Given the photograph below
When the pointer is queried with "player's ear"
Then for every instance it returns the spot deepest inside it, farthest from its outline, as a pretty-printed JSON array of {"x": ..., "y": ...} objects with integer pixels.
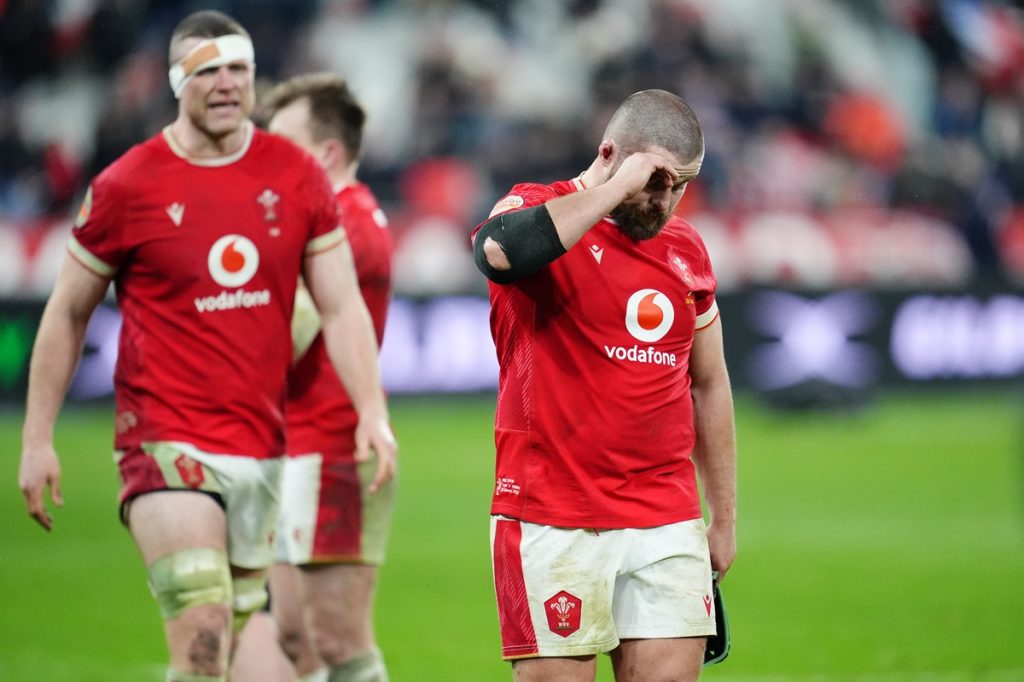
[
  {"x": 334, "y": 154},
  {"x": 608, "y": 155}
]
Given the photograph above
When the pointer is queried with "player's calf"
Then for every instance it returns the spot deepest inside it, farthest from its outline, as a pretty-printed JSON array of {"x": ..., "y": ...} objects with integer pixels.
[{"x": 365, "y": 666}]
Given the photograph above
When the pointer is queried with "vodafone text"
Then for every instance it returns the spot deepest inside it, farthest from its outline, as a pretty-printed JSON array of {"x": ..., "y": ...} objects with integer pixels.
[
  {"x": 636, "y": 354},
  {"x": 234, "y": 299}
]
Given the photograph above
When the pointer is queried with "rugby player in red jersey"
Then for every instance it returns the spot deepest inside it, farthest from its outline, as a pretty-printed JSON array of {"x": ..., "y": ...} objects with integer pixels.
[
  {"x": 204, "y": 230},
  {"x": 335, "y": 519},
  {"x": 613, "y": 398}
]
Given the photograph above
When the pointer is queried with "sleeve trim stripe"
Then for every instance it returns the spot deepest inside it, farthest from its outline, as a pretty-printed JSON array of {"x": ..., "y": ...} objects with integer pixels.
[
  {"x": 86, "y": 258},
  {"x": 705, "y": 319},
  {"x": 325, "y": 242}
]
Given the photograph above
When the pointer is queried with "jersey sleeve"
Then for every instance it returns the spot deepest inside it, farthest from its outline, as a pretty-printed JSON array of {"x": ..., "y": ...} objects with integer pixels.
[
  {"x": 367, "y": 241},
  {"x": 325, "y": 228},
  {"x": 98, "y": 237},
  {"x": 706, "y": 286},
  {"x": 524, "y": 195}
]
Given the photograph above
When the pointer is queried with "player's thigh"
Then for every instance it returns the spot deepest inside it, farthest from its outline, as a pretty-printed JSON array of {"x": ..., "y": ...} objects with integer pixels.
[
  {"x": 167, "y": 521},
  {"x": 658, "y": 660},
  {"x": 340, "y": 598},
  {"x": 570, "y": 669},
  {"x": 554, "y": 589},
  {"x": 665, "y": 589},
  {"x": 327, "y": 513},
  {"x": 246, "y": 491}
]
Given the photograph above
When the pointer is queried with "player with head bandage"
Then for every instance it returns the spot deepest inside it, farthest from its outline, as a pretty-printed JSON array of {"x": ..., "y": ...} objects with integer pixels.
[
  {"x": 208, "y": 54},
  {"x": 204, "y": 229}
]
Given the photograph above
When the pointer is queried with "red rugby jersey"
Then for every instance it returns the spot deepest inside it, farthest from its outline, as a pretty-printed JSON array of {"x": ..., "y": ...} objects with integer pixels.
[
  {"x": 320, "y": 416},
  {"x": 205, "y": 256},
  {"x": 594, "y": 422}
]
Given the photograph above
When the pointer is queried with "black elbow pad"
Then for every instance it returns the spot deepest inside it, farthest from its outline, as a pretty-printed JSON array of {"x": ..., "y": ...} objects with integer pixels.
[{"x": 528, "y": 238}]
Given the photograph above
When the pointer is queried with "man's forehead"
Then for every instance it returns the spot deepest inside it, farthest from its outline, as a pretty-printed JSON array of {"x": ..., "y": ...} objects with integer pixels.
[
  {"x": 691, "y": 168},
  {"x": 684, "y": 168},
  {"x": 182, "y": 46}
]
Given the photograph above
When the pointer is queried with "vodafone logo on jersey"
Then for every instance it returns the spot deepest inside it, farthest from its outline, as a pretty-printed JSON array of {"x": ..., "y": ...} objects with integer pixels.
[
  {"x": 649, "y": 316},
  {"x": 233, "y": 261}
]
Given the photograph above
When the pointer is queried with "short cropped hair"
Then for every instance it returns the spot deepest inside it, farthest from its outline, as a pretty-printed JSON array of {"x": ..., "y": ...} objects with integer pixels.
[
  {"x": 656, "y": 118},
  {"x": 204, "y": 24},
  {"x": 334, "y": 112}
]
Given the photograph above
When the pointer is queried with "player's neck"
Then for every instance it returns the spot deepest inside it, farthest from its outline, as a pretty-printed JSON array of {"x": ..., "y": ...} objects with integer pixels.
[
  {"x": 342, "y": 177},
  {"x": 197, "y": 144}
]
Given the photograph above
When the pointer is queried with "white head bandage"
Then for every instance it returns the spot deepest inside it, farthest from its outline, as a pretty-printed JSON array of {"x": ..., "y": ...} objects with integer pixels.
[{"x": 210, "y": 52}]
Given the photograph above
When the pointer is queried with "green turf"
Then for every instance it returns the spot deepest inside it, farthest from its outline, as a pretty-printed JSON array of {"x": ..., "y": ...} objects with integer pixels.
[{"x": 885, "y": 545}]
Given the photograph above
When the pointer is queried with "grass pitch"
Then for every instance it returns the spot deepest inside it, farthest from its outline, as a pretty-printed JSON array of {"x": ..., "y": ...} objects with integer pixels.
[{"x": 883, "y": 545}]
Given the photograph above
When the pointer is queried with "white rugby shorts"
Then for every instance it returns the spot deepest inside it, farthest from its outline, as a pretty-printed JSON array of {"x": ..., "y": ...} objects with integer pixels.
[
  {"x": 247, "y": 486},
  {"x": 577, "y": 592},
  {"x": 327, "y": 515}
]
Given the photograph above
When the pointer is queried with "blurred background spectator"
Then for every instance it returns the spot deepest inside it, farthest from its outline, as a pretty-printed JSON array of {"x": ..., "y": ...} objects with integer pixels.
[{"x": 849, "y": 142}]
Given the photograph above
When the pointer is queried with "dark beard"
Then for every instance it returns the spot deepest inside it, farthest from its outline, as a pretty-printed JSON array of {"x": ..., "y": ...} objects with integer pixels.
[{"x": 639, "y": 222}]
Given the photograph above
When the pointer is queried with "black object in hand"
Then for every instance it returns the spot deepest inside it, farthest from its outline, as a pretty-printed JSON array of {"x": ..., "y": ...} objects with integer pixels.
[{"x": 717, "y": 648}]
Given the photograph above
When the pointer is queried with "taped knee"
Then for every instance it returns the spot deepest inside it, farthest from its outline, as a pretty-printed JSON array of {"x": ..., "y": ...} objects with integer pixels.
[
  {"x": 366, "y": 666},
  {"x": 191, "y": 577},
  {"x": 250, "y": 595}
]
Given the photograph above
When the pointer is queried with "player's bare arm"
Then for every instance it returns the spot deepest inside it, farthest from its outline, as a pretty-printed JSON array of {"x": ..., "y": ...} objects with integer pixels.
[
  {"x": 352, "y": 347},
  {"x": 715, "y": 452},
  {"x": 58, "y": 345},
  {"x": 507, "y": 237}
]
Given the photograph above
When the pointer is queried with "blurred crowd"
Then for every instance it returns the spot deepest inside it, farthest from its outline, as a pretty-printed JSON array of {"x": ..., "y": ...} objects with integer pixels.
[{"x": 849, "y": 142}]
